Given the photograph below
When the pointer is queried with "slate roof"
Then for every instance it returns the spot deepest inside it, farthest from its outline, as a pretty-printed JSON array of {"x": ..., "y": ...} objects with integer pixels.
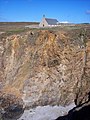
[{"x": 51, "y": 21}]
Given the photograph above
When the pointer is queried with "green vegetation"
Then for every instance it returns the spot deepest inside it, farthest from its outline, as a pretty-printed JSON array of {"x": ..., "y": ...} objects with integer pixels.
[
  {"x": 61, "y": 28},
  {"x": 16, "y": 31}
]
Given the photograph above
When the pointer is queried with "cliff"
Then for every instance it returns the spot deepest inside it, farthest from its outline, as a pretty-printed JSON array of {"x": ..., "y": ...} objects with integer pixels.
[{"x": 44, "y": 67}]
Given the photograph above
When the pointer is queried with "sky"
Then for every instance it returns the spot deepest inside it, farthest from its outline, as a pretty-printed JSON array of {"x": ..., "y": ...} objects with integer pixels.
[{"x": 73, "y": 11}]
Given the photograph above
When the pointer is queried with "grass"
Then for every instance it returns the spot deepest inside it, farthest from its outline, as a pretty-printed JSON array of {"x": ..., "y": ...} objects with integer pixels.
[
  {"x": 16, "y": 30},
  {"x": 20, "y": 29}
]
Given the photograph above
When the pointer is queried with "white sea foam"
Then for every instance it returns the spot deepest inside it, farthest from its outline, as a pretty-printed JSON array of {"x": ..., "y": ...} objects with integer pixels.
[{"x": 46, "y": 112}]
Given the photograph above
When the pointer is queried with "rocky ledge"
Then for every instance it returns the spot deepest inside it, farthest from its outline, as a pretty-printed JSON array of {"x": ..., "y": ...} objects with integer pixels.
[
  {"x": 80, "y": 112},
  {"x": 11, "y": 108}
]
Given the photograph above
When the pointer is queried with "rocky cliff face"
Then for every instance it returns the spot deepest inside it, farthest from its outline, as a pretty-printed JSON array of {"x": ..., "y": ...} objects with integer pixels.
[{"x": 46, "y": 67}]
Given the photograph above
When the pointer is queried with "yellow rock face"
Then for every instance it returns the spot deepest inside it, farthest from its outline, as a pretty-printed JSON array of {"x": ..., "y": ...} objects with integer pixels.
[{"x": 45, "y": 67}]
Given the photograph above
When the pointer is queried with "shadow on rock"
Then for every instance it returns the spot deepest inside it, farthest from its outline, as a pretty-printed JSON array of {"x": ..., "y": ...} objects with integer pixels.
[
  {"x": 13, "y": 112},
  {"x": 78, "y": 113},
  {"x": 11, "y": 108}
]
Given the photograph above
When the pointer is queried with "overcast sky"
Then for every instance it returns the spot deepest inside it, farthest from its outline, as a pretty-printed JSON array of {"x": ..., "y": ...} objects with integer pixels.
[{"x": 75, "y": 11}]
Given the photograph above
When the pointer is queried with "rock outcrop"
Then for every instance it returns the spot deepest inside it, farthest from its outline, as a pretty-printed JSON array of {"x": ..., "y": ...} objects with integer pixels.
[
  {"x": 80, "y": 112},
  {"x": 11, "y": 107},
  {"x": 46, "y": 67}
]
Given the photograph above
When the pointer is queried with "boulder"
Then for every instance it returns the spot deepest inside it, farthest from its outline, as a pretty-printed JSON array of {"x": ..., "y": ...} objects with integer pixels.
[{"x": 11, "y": 107}]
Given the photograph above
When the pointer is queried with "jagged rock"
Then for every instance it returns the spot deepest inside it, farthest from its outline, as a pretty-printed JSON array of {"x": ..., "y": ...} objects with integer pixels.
[
  {"x": 46, "y": 67},
  {"x": 80, "y": 112},
  {"x": 13, "y": 112},
  {"x": 11, "y": 107}
]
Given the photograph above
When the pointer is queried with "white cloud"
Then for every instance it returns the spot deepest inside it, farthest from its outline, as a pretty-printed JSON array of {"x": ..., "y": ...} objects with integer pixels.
[
  {"x": 64, "y": 22},
  {"x": 88, "y": 11}
]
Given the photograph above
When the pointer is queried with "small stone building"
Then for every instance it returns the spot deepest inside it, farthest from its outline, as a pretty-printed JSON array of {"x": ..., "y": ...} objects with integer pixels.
[{"x": 45, "y": 22}]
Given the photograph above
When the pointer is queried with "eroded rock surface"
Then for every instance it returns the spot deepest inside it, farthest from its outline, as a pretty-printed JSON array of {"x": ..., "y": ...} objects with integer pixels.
[
  {"x": 46, "y": 67},
  {"x": 11, "y": 107}
]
